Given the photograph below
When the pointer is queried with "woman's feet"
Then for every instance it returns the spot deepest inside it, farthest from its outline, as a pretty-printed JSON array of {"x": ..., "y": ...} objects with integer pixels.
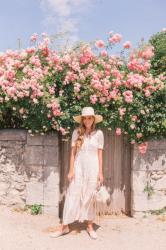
[
  {"x": 91, "y": 232},
  {"x": 64, "y": 229},
  {"x": 61, "y": 231}
]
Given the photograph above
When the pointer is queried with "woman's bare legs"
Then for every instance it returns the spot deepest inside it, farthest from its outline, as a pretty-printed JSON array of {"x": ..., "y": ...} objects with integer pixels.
[
  {"x": 61, "y": 230},
  {"x": 90, "y": 230},
  {"x": 63, "y": 227},
  {"x": 90, "y": 225}
]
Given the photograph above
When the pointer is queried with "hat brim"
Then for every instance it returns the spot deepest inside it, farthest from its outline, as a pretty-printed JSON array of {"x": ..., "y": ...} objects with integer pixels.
[{"x": 98, "y": 118}]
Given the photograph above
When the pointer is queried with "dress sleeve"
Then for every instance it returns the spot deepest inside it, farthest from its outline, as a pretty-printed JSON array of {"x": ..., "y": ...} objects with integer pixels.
[
  {"x": 74, "y": 137},
  {"x": 100, "y": 139}
]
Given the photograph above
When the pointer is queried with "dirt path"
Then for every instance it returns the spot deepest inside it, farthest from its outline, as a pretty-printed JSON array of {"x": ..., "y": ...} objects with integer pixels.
[{"x": 22, "y": 231}]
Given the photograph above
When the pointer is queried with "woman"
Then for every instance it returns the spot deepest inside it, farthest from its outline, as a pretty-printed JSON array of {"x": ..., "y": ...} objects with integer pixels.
[{"x": 85, "y": 172}]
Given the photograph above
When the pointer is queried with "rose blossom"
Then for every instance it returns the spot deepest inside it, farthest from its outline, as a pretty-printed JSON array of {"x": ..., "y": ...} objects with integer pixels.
[
  {"x": 104, "y": 53},
  {"x": 122, "y": 111},
  {"x": 93, "y": 99},
  {"x": 34, "y": 37},
  {"x": 128, "y": 95},
  {"x": 127, "y": 45},
  {"x": 134, "y": 118},
  {"x": 118, "y": 131},
  {"x": 100, "y": 44},
  {"x": 116, "y": 38},
  {"x": 139, "y": 135},
  {"x": 132, "y": 126},
  {"x": 143, "y": 147}
]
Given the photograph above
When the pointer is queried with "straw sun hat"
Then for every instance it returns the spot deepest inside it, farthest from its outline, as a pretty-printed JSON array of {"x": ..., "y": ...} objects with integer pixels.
[{"x": 88, "y": 111}]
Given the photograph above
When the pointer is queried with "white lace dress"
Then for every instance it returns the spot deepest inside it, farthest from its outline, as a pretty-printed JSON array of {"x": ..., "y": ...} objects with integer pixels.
[{"x": 79, "y": 203}]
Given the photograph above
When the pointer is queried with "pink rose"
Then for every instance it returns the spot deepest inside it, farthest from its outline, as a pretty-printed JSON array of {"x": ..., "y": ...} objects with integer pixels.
[
  {"x": 102, "y": 99},
  {"x": 34, "y": 37},
  {"x": 63, "y": 131},
  {"x": 139, "y": 135},
  {"x": 93, "y": 99},
  {"x": 21, "y": 110},
  {"x": 127, "y": 45},
  {"x": 104, "y": 53},
  {"x": 118, "y": 131},
  {"x": 116, "y": 38},
  {"x": 77, "y": 87},
  {"x": 78, "y": 97},
  {"x": 143, "y": 147},
  {"x": 100, "y": 44},
  {"x": 147, "y": 93},
  {"x": 134, "y": 118},
  {"x": 122, "y": 111},
  {"x": 132, "y": 142},
  {"x": 128, "y": 95},
  {"x": 132, "y": 126}
]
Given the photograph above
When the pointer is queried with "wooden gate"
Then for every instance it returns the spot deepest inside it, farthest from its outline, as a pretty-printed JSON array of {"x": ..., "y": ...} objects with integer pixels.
[{"x": 117, "y": 172}]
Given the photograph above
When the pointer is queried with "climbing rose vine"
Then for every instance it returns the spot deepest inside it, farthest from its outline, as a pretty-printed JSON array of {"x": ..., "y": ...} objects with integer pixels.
[{"x": 41, "y": 88}]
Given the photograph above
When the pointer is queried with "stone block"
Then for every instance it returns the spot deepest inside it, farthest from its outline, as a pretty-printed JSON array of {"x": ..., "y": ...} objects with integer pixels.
[
  {"x": 51, "y": 210},
  {"x": 139, "y": 214},
  {"x": 33, "y": 155},
  {"x": 51, "y": 156},
  {"x": 34, "y": 172},
  {"x": 51, "y": 176},
  {"x": 51, "y": 186},
  {"x": 13, "y": 135},
  {"x": 12, "y": 199},
  {"x": 36, "y": 139},
  {"x": 138, "y": 181},
  {"x": 34, "y": 193},
  {"x": 140, "y": 202},
  {"x": 157, "y": 145},
  {"x": 159, "y": 181},
  {"x": 51, "y": 139},
  {"x": 152, "y": 160},
  {"x": 139, "y": 198}
]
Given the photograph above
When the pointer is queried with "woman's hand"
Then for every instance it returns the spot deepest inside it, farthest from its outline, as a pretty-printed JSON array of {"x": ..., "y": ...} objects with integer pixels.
[
  {"x": 100, "y": 178},
  {"x": 70, "y": 175}
]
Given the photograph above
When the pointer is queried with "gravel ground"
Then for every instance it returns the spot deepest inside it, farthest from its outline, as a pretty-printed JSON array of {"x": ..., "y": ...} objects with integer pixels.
[{"x": 22, "y": 231}]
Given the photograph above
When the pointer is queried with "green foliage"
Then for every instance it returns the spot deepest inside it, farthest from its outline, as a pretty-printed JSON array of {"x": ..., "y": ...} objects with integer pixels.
[
  {"x": 41, "y": 90},
  {"x": 36, "y": 209},
  {"x": 149, "y": 190},
  {"x": 158, "y": 41},
  {"x": 158, "y": 211}
]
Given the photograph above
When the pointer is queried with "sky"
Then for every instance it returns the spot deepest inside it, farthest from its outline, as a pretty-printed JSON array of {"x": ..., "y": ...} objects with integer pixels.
[{"x": 81, "y": 20}]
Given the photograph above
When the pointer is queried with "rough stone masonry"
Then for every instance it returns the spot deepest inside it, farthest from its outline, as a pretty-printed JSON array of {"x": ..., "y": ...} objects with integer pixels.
[
  {"x": 29, "y": 172},
  {"x": 148, "y": 179}
]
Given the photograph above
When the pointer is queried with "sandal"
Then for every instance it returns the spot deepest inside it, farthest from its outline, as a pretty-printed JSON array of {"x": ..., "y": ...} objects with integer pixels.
[
  {"x": 59, "y": 233},
  {"x": 92, "y": 234}
]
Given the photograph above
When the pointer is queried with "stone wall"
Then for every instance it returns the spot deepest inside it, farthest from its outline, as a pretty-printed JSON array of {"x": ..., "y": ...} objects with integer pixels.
[
  {"x": 148, "y": 179},
  {"x": 30, "y": 172},
  {"x": 29, "y": 169}
]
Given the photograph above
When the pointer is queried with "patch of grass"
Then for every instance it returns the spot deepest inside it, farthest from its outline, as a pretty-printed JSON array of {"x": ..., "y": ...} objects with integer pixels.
[
  {"x": 158, "y": 211},
  {"x": 149, "y": 189},
  {"x": 34, "y": 209}
]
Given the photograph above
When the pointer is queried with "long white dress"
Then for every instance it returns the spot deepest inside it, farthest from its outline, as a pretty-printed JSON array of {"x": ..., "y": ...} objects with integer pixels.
[{"x": 79, "y": 203}]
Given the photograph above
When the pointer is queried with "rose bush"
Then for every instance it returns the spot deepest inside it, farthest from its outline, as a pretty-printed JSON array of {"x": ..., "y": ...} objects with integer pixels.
[{"x": 41, "y": 89}]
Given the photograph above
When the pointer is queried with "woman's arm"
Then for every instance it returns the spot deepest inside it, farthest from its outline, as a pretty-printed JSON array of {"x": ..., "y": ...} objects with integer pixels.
[
  {"x": 72, "y": 158},
  {"x": 100, "y": 157},
  {"x": 72, "y": 154},
  {"x": 71, "y": 169}
]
